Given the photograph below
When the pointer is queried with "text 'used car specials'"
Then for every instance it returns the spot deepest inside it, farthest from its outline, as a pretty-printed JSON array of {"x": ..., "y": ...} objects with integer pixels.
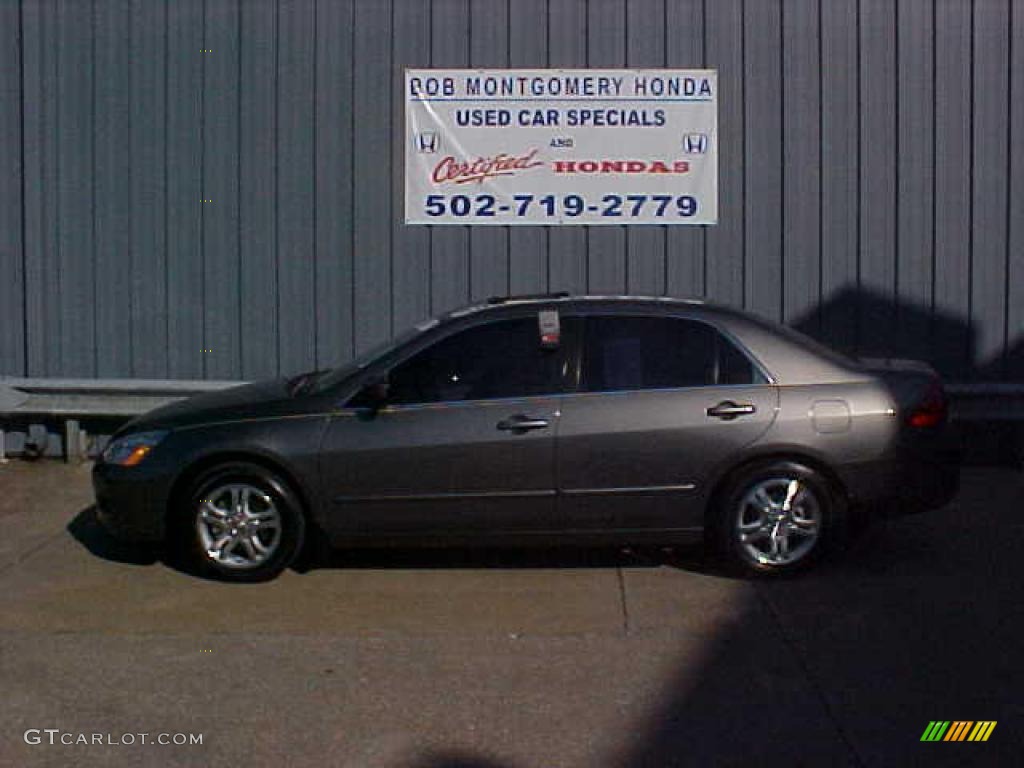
[{"x": 561, "y": 147}]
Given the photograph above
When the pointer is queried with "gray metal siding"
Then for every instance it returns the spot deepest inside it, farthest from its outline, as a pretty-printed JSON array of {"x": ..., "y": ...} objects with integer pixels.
[
  {"x": 915, "y": 173},
  {"x": 257, "y": 149},
  {"x": 801, "y": 178},
  {"x": 952, "y": 183},
  {"x": 185, "y": 212},
  {"x": 871, "y": 177},
  {"x": 12, "y": 277},
  {"x": 1014, "y": 359},
  {"x": 333, "y": 164}
]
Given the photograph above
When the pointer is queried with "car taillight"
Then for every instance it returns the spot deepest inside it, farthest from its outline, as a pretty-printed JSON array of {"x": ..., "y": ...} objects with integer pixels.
[{"x": 932, "y": 410}]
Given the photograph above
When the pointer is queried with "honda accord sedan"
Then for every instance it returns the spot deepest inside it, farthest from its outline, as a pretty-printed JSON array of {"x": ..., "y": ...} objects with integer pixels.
[{"x": 541, "y": 419}]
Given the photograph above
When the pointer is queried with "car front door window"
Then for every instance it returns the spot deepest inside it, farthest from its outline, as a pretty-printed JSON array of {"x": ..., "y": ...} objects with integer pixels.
[{"x": 502, "y": 359}]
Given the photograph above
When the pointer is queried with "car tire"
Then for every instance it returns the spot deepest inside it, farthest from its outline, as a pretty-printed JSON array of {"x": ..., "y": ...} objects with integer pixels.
[
  {"x": 239, "y": 522},
  {"x": 776, "y": 518}
]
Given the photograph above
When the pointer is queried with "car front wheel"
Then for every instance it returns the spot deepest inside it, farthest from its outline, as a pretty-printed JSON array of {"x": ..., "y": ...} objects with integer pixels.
[
  {"x": 242, "y": 523},
  {"x": 776, "y": 518}
]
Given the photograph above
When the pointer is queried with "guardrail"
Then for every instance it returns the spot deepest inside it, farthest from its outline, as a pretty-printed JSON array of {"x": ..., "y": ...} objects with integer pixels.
[
  {"x": 990, "y": 418},
  {"x": 987, "y": 401},
  {"x": 34, "y": 403}
]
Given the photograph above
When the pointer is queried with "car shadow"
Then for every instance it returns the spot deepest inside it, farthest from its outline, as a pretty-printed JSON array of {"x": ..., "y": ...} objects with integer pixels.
[
  {"x": 445, "y": 760},
  {"x": 87, "y": 530},
  {"x": 469, "y": 558},
  {"x": 874, "y": 547}
]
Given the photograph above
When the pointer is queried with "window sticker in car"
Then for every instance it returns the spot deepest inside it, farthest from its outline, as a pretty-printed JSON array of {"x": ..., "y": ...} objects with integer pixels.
[{"x": 550, "y": 331}]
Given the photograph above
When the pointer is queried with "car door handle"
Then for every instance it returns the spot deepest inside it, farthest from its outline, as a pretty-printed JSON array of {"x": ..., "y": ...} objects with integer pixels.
[
  {"x": 522, "y": 423},
  {"x": 727, "y": 410}
]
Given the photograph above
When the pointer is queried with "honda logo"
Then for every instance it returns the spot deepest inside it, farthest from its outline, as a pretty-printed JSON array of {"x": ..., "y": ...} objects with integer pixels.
[
  {"x": 695, "y": 143},
  {"x": 427, "y": 142}
]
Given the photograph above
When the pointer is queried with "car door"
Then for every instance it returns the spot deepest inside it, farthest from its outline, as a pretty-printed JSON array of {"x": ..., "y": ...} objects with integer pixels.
[
  {"x": 464, "y": 445},
  {"x": 661, "y": 401}
]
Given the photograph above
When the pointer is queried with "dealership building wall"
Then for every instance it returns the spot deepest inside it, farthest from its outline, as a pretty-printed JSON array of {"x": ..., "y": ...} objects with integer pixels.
[{"x": 213, "y": 189}]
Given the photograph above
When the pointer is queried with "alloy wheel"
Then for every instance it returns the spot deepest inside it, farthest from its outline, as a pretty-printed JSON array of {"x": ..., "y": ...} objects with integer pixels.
[
  {"x": 239, "y": 526},
  {"x": 778, "y": 521}
]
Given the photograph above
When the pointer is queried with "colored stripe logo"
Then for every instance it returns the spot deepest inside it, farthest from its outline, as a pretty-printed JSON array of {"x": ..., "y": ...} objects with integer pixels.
[{"x": 958, "y": 730}]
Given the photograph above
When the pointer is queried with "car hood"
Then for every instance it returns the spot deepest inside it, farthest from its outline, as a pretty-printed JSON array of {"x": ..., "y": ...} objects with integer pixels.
[{"x": 263, "y": 398}]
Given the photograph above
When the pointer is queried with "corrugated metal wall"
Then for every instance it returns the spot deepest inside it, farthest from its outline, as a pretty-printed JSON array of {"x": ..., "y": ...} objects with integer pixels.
[{"x": 871, "y": 181}]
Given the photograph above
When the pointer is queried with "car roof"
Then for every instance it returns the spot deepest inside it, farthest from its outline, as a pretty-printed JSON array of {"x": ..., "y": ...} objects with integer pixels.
[
  {"x": 616, "y": 303},
  {"x": 496, "y": 303}
]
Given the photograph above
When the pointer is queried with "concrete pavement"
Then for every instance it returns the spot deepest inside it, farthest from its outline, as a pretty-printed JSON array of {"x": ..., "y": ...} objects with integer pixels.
[{"x": 507, "y": 659}]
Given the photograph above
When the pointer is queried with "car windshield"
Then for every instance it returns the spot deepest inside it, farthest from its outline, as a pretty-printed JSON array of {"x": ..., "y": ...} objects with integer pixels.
[{"x": 337, "y": 375}]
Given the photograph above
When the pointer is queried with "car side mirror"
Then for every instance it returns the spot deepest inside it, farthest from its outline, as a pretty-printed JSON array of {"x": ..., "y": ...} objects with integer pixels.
[
  {"x": 371, "y": 398},
  {"x": 378, "y": 391}
]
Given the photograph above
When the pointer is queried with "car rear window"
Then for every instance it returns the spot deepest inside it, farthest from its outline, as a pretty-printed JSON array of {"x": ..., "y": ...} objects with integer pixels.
[{"x": 632, "y": 353}]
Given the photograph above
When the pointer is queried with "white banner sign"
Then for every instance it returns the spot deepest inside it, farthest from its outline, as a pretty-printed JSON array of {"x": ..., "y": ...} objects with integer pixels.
[{"x": 561, "y": 146}]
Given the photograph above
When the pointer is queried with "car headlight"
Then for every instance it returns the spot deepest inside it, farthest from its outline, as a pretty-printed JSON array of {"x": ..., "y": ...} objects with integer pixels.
[{"x": 131, "y": 449}]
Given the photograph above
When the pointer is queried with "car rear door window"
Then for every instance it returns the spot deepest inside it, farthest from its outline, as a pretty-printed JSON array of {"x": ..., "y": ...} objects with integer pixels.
[
  {"x": 634, "y": 353},
  {"x": 498, "y": 360}
]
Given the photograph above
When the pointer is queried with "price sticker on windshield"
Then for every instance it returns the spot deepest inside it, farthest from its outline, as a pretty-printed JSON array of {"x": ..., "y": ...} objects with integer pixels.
[{"x": 550, "y": 331}]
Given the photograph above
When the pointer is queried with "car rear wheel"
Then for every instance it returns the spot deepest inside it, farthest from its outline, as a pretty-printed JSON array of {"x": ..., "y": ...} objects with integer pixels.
[
  {"x": 776, "y": 518},
  {"x": 241, "y": 523}
]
